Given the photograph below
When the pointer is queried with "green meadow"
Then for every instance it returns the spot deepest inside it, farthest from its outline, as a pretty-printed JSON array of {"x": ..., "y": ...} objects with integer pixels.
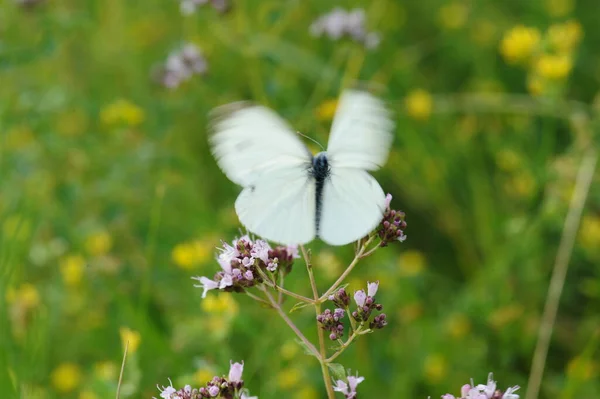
[{"x": 110, "y": 200}]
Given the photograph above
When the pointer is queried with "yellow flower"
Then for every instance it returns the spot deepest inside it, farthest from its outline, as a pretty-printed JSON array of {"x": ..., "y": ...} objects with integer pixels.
[
  {"x": 99, "y": 243},
  {"x": 565, "y": 37},
  {"x": 453, "y": 15},
  {"x": 329, "y": 263},
  {"x": 326, "y": 110},
  {"x": 535, "y": 84},
  {"x": 582, "y": 368},
  {"x": 508, "y": 160},
  {"x": 72, "y": 268},
  {"x": 131, "y": 336},
  {"x": 106, "y": 370},
  {"x": 88, "y": 395},
  {"x": 189, "y": 254},
  {"x": 435, "y": 367},
  {"x": 519, "y": 43},
  {"x": 551, "y": 66},
  {"x": 289, "y": 350},
  {"x": 559, "y": 8},
  {"x": 26, "y": 296},
  {"x": 458, "y": 326},
  {"x": 505, "y": 315},
  {"x": 66, "y": 377},
  {"x": 222, "y": 303},
  {"x": 18, "y": 138},
  {"x": 521, "y": 185},
  {"x": 419, "y": 104},
  {"x": 203, "y": 375},
  {"x": 307, "y": 393},
  {"x": 122, "y": 112},
  {"x": 589, "y": 233},
  {"x": 288, "y": 378},
  {"x": 411, "y": 263}
]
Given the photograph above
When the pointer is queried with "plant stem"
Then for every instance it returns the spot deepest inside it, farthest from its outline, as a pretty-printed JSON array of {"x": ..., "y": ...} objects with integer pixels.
[
  {"x": 282, "y": 290},
  {"x": 258, "y": 299},
  {"x": 290, "y": 323},
  {"x": 343, "y": 347},
  {"x": 340, "y": 280},
  {"x": 559, "y": 273},
  {"x": 317, "y": 304}
]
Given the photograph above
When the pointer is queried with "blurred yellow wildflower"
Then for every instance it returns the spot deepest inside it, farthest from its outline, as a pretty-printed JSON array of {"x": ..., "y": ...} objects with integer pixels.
[
  {"x": 131, "y": 336},
  {"x": 288, "y": 378},
  {"x": 88, "y": 395},
  {"x": 519, "y": 43},
  {"x": 221, "y": 303},
  {"x": 419, "y": 104},
  {"x": 122, "y": 112},
  {"x": 66, "y": 377},
  {"x": 289, "y": 350},
  {"x": 505, "y": 315},
  {"x": 203, "y": 375},
  {"x": 98, "y": 243},
  {"x": 453, "y": 15},
  {"x": 411, "y": 263},
  {"x": 458, "y": 325},
  {"x": 566, "y": 36},
  {"x": 589, "y": 233},
  {"x": 435, "y": 367},
  {"x": 552, "y": 66},
  {"x": 16, "y": 227},
  {"x": 18, "y": 137},
  {"x": 535, "y": 84},
  {"x": 559, "y": 8},
  {"x": 411, "y": 312},
  {"x": 508, "y": 160},
  {"x": 106, "y": 370},
  {"x": 72, "y": 268},
  {"x": 26, "y": 296},
  {"x": 189, "y": 254},
  {"x": 521, "y": 185},
  {"x": 328, "y": 263},
  {"x": 582, "y": 369},
  {"x": 326, "y": 110},
  {"x": 307, "y": 393}
]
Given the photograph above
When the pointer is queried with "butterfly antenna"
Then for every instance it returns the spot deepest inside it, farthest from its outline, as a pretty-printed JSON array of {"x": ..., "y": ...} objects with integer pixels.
[{"x": 313, "y": 140}]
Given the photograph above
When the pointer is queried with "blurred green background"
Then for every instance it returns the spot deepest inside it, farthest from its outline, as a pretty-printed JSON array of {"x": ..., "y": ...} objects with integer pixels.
[{"x": 110, "y": 200}]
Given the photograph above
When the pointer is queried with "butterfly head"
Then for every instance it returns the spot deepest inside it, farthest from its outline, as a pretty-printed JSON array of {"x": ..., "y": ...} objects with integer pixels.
[{"x": 320, "y": 166}]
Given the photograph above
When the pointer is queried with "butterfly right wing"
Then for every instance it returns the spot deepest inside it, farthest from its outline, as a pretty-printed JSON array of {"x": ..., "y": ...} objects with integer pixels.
[{"x": 257, "y": 149}]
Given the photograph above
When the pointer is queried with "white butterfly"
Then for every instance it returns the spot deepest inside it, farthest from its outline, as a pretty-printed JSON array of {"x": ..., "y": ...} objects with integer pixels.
[{"x": 290, "y": 196}]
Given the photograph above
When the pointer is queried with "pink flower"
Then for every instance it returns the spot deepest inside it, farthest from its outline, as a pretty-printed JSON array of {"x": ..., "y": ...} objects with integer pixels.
[
  {"x": 372, "y": 288},
  {"x": 360, "y": 297},
  {"x": 206, "y": 284},
  {"x": 235, "y": 372}
]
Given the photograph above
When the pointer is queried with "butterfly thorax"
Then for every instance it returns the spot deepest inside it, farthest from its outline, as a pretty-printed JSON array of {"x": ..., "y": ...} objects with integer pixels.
[{"x": 320, "y": 166}]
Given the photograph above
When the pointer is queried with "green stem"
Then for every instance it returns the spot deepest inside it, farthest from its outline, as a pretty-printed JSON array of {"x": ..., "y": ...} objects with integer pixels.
[{"x": 317, "y": 304}]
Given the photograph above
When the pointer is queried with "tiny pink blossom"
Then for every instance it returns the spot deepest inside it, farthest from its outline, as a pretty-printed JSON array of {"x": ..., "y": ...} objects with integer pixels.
[
  {"x": 448, "y": 396},
  {"x": 260, "y": 250},
  {"x": 235, "y": 372},
  {"x": 464, "y": 390},
  {"x": 206, "y": 284},
  {"x": 213, "y": 391},
  {"x": 293, "y": 251},
  {"x": 388, "y": 200},
  {"x": 166, "y": 392},
  {"x": 360, "y": 297},
  {"x": 509, "y": 394},
  {"x": 372, "y": 288},
  {"x": 226, "y": 281}
]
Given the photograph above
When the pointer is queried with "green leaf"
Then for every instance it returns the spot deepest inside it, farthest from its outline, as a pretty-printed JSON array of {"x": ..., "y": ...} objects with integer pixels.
[
  {"x": 338, "y": 371},
  {"x": 299, "y": 305}
]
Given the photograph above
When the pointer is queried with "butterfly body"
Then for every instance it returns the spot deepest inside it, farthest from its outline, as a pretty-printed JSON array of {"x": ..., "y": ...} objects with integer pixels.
[{"x": 290, "y": 196}]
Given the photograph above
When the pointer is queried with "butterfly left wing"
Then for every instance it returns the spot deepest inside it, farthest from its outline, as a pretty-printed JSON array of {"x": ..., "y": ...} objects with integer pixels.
[
  {"x": 280, "y": 206},
  {"x": 258, "y": 150},
  {"x": 353, "y": 204}
]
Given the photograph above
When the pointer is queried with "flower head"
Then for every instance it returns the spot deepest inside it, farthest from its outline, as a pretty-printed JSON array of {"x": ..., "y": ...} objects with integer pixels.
[
  {"x": 484, "y": 391},
  {"x": 235, "y": 372},
  {"x": 392, "y": 226},
  {"x": 348, "y": 387},
  {"x": 181, "y": 65},
  {"x": 339, "y": 23},
  {"x": 244, "y": 262}
]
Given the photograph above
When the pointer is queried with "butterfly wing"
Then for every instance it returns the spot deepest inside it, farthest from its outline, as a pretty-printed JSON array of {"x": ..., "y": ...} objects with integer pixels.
[
  {"x": 352, "y": 202},
  {"x": 257, "y": 149},
  {"x": 352, "y": 205},
  {"x": 361, "y": 133}
]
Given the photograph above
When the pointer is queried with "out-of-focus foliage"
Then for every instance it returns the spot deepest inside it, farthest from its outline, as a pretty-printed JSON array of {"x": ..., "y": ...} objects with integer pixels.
[{"x": 110, "y": 200}]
